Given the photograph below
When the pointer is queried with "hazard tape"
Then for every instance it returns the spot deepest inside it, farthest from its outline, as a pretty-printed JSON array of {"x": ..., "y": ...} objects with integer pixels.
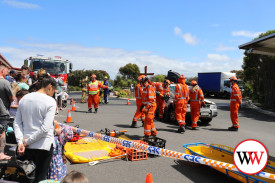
[{"x": 167, "y": 153}]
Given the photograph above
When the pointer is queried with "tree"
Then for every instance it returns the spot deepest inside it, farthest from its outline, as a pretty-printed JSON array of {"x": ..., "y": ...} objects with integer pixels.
[
  {"x": 259, "y": 72},
  {"x": 192, "y": 78},
  {"x": 158, "y": 78},
  {"x": 130, "y": 71},
  {"x": 75, "y": 77},
  {"x": 239, "y": 73}
]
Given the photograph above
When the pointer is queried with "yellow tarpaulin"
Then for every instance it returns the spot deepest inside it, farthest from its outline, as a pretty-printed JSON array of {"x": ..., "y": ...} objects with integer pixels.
[{"x": 89, "y": 149}]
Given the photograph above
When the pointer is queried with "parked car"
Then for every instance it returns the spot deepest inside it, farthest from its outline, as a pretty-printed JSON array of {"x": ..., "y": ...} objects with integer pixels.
[{"x": 206, "y": 114}]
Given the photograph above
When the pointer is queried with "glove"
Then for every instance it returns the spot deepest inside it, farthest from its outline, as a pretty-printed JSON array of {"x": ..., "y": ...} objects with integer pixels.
[
  {"x": 203, "y": 104},
  {"x": 157, "y": 93}
]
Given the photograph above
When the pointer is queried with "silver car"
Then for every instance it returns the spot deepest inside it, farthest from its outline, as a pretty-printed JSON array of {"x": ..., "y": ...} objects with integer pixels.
[{"x": 206, "y": 113}]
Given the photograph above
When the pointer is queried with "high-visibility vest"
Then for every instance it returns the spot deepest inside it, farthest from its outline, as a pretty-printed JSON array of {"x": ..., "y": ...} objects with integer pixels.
[
  {"x": 93, "y": 88},
  {"x": 236, "y": 94},
  {"x": 181, "y": 92},
  {"x": 158, "y": 86},
  {"x": 138, "y": 91},
  {"x": 197, "y": 95},
  {"x": 166, "y": 91},
  {"x": 148, "y": 95}
]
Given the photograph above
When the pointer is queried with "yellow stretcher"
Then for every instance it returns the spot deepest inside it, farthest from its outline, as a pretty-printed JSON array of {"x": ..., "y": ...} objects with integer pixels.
[
  {"x": 89, "y": 149},
  {"x": 225, "y": 154}
]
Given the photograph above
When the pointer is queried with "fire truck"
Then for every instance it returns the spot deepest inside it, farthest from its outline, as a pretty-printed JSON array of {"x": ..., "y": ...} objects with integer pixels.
[{"x": 55, "y": 65}]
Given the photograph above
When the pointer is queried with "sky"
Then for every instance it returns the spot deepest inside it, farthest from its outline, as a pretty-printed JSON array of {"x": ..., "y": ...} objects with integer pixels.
[{"x": 185, "y": 36}]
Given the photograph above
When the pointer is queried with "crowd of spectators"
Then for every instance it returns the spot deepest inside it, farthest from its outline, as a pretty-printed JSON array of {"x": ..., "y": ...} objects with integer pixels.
[{"x": 30, "y": 98}]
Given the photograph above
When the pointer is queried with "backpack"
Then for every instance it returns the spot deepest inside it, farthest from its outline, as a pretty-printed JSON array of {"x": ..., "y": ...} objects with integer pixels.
[{"x": 22, "y": 171}]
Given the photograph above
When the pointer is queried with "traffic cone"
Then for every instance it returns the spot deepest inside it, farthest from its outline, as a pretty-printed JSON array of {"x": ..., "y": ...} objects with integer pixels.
[
  {"x": 73, "y": 108},
  {"x": 72, "y": 100},
  {"x": 69, "y": 117},
  {"x": 149, "y": 178},
  {"x": 128, "y": 102}
]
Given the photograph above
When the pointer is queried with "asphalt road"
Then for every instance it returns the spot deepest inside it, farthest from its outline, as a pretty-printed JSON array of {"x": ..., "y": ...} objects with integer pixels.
[{"x": 117, "y": 115}]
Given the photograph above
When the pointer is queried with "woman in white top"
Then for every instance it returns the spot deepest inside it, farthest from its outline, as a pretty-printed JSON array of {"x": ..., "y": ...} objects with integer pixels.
[{"x": 33, "y": 126}]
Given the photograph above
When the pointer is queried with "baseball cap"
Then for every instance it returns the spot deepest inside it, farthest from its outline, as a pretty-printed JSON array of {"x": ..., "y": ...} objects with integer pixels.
[{"x": 13, "y": 71}]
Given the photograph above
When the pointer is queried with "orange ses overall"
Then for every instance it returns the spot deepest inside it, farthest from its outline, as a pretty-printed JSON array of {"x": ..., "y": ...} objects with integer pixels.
[
  {"x": 93, "y": 89},
  {"x": 159, "y": 88},
  {"x": 138, "y": 94},
  {"x": 148, "y": 100},
  {"x": 181, "y": 98},
  {"x": 196, "y": 97},
  {"x": 235, "y": 101},
  {"x": 165, "y": 91}
]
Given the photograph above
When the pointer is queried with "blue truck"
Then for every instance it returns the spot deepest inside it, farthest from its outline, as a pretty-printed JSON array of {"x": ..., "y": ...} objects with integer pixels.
[{"x": 217, "y": 83}]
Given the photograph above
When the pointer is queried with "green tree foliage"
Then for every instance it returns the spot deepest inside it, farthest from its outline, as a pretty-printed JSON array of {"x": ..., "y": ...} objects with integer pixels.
[
  {"x": 121, "y": 82},
  {"x": 239, "y": 74},
  {"x": 157, "y": 78},
  {"x": 75, "y": 77},
  {"x": 259, "y": 73},
  {"x": 192, "y": 78},
  {"x": 129, "y": 71}
]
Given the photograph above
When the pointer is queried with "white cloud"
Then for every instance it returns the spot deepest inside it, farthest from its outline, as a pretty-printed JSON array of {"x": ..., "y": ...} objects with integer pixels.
[
  {"x": 246, "y": 34},
  {"x": 18, "y": 4},
  {"x": 217, "y": 57},
  {"x": 111, "y": 59},
  {"x": 225, "y": 48},
  {"x": 188, "y": 37}
]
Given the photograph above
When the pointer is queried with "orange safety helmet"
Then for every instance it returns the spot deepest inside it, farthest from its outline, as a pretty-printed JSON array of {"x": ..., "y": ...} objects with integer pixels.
[
  {"x": 193, "y": 82},
  {"x": 140, "y": 77},
  {"x": 233, "y": 78},
  {"x": 93, "y": 76},
  {"x": 181, "y": 77},
  {"x": 167, "y": 81}
]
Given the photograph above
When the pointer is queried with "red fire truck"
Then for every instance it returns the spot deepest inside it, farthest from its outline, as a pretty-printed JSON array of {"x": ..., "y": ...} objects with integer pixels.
[{"x": 53, "y": 66}]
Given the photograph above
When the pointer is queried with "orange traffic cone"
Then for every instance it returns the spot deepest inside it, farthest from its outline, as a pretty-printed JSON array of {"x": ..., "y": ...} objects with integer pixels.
[
  {"x": 72, "y": 100},
  {"x": 149, "y": 178},
  {"x": 69, "y": 117},
  {"x": 128, "y": 102},
  {"x": 73, "y": 108}
]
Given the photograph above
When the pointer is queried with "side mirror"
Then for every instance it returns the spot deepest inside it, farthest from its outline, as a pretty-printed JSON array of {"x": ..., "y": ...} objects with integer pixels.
[
  {"x": 26, "y": 62},
  {"x": 70, "y": 67}
]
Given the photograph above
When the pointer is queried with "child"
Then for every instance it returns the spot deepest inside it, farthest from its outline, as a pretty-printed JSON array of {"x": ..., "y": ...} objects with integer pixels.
[
  {"x": 14, "y": 105},
  {"x": 75, "y": 177},
  {"x": 58, "y": 168}
]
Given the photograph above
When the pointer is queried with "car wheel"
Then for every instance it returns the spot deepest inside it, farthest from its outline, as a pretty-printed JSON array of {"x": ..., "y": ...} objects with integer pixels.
[
  {"x": 206, "y": 120},
  {"x": 172, "y": 115}
]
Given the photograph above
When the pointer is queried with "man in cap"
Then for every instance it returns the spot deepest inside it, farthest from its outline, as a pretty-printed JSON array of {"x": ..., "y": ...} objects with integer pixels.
[
  {"x": 106, "y": 90},
  {"x": 93, "y": 91},
  {"x": 11, "y": 77}
]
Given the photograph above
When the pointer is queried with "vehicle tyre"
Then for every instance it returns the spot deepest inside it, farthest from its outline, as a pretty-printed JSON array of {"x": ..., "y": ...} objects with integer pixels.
[
  {"x": 206, "y": 120},
  {"x": 172, "y": 115}
]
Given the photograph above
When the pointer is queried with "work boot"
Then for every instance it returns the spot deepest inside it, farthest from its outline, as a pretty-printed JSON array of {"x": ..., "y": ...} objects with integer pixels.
[
  {"x": 134, "y": 124},
  {"x": 181, "y": 129},
  {"x": 145, "y": 138},
  {"x": 142, "y": 124},
  {"x": 90, "y": 110},
  {"x": 96, "y": 110},
  {"x": 232, "y": 128}
]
